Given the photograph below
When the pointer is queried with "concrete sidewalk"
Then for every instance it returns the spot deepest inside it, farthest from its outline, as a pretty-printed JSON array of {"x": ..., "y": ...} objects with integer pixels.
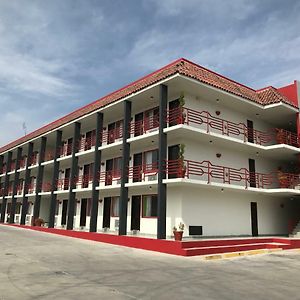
[{"x": 37, "y": 265}]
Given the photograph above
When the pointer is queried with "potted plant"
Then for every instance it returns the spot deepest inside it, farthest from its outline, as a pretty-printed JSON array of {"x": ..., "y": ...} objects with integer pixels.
[
  {"x": 182, "y": 166},
  {"x": 178, "y": 232},
  {"x": 39, "y": 222},
  {"x": 182, "y": 113}
]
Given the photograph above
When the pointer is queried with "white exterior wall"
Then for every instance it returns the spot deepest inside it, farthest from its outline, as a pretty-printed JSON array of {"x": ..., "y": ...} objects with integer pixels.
[{"x": 229, "y": 213}]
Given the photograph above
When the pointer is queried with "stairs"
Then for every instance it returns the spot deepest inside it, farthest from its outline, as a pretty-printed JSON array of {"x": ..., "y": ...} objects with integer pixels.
[
  {"x": 207, "y": 247},
  {"x": 296, "y": 231}
]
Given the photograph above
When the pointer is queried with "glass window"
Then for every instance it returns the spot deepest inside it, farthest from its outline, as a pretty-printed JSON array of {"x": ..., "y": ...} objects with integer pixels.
[
  {"x": 151, "y": 160},
  {"x": 149, "y": 206},
  {"x": 115, "y": 201},
  {"x": 89, "y": 207}
]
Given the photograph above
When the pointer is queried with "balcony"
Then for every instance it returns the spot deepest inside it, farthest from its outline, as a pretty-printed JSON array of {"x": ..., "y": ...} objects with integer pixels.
[
  {"x": 65, "y": 150},
  {"x": 143, "y": 173},
  {"x": 210, "y": 124},
  {"x": 23, "y": 162},
  {"x": 3, "y": 170},
  {"x": 146, "y": 125},
  {"x": 34, "y": 159},
  {"x": 111, "y": 136},
  {"x": 49, "y": 155},
  {"x": 86, "y": 143},
  {"x": 12, "y": 165},
  {"x": 112, "y": 177},
  {"x": 63, "y": 184},
  {"x": 31, "y": 188},
  {"x": 20, "y": 189},
  {"x": 211, "y": 173}
]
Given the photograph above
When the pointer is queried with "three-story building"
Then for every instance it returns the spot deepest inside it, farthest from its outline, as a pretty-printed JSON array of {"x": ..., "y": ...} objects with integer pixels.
[{"x": 183, "y": 144}]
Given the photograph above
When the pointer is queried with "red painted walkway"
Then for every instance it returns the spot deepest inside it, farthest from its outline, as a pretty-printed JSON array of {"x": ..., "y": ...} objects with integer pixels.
[{"x": 184, "y": 248}]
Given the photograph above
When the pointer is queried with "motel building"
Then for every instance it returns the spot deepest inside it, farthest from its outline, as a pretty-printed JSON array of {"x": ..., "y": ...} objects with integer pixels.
[{"x": 182, "y": 144}]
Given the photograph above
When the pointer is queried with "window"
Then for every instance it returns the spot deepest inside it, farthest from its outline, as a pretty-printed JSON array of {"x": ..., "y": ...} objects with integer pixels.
[
  {"x": 89, "y": 207},
  {"x": 117, "y": 164},
  {"x": 18, "y": 208},
  {"x": 151, "y": 119},
  {"x": 150, "y": 160},
  {"x": 149, "y": 206},
  {"x": 115, "y": 201}
]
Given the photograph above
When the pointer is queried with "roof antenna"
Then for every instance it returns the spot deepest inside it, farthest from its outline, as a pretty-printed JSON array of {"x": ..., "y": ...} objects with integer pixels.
[{"x": 24, "y": 128}]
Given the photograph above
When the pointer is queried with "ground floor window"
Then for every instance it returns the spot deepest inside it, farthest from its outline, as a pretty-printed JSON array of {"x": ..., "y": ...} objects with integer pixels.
[
  {"x": 149, "y": 206},
  {"x": 115, "y": 201},
  {"x": 18, "y": 208}
]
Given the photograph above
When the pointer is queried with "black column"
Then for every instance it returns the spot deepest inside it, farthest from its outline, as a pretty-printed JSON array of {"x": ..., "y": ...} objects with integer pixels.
[
  {"x": 162, "y": 156},
  {"x": 96, "y": 175},
  {"x": 54, "y": 179},
  {"x": 1, "y": 162},
  {"x": 6, "y": 183},
  {"x": 15, "y": 186},
  {"x": 39, "y": 179},
  {"x": 124, "y": 170},
  {"x": 73, "y": 174},
  {"x": 26, "y": 183}
]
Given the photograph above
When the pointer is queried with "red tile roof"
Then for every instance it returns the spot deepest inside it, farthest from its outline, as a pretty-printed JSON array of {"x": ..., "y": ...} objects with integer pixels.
[{"x": 181, "y": 66}]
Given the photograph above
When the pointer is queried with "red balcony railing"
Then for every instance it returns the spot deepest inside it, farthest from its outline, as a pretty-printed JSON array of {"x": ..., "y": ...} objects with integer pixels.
[
  {"x": 12, "y": 165},
  {"x": 49, "y": 155},
  {"x": 31, "y": 188},
  {"x": 34, "y": 159},
  {"x": 204, "y": 120},
  {"x": 110, "y": 136},
  {"x": 65, "y": 150},
  {"x": 86, "y": 143},
  {"x": 83, "y": 181},
  {"x": 209, "y": 172},
  {"x": 63, "y": 184},
  {"x": 3, "y": 170},
  {"x": 23, "y": 162},
  {"x": 145, "y": 125},
  {"x": 10, "y": 190},
  {"x": 140, "y": 173},
  {"x": 110, "y": 177},
  {"x": 46, "y": 187},
  {"x": 20, "y": 188}
]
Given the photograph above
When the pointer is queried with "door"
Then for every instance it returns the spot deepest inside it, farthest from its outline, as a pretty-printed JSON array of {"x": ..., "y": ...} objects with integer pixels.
[
  {"x": 86, "y": 175},
  {"x": 252, "y": 175},
  {"x": 137, "y": 164},
  {"x": 69, "y": 147},
  {"x": 64, "y": 212},
  {"x": 135, "y": 212},
  {"x": 106, "y": 212},
  {"x": 108, "y": 174},
  {"x": 173, "y": 163},
  {"x": 67, "y": 179},
  {"x": 83, "y": 212},
  {"x": 174, "y": 113},
  {"x": 250, "y": 131},
  {"x": 138, "y": 124},
  {"x": 254, "y": 225},
  {"x": 88, "y": 141},
  {"x": 111, "y": 133}
]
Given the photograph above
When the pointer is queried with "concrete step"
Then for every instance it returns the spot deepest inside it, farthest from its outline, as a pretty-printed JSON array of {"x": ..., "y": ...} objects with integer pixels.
[
  {"x": 231, "y": 242},
  {"x": 232, "y": 248}
]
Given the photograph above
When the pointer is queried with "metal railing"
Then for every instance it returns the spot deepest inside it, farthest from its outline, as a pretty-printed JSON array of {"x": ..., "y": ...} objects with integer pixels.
[
  {"x": 204, "y": 120},
  {"x": 209, "y": 173}
]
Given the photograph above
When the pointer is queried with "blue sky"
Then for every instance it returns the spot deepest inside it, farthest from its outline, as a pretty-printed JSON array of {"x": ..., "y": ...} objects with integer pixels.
[{"x": 58, "y": 55}]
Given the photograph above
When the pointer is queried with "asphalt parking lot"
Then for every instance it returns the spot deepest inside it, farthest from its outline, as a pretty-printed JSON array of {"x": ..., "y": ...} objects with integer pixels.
[{"x": 37, "y": 265}]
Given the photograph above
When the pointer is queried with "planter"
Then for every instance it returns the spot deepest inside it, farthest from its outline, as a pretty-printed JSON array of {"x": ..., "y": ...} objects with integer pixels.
[
  {"x": 178, "y": 235},
  {"x": 39, "y": 222}
]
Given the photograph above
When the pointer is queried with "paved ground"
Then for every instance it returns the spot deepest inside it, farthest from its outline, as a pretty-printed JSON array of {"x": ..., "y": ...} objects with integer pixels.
[{"x": 36, "y": 265}]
